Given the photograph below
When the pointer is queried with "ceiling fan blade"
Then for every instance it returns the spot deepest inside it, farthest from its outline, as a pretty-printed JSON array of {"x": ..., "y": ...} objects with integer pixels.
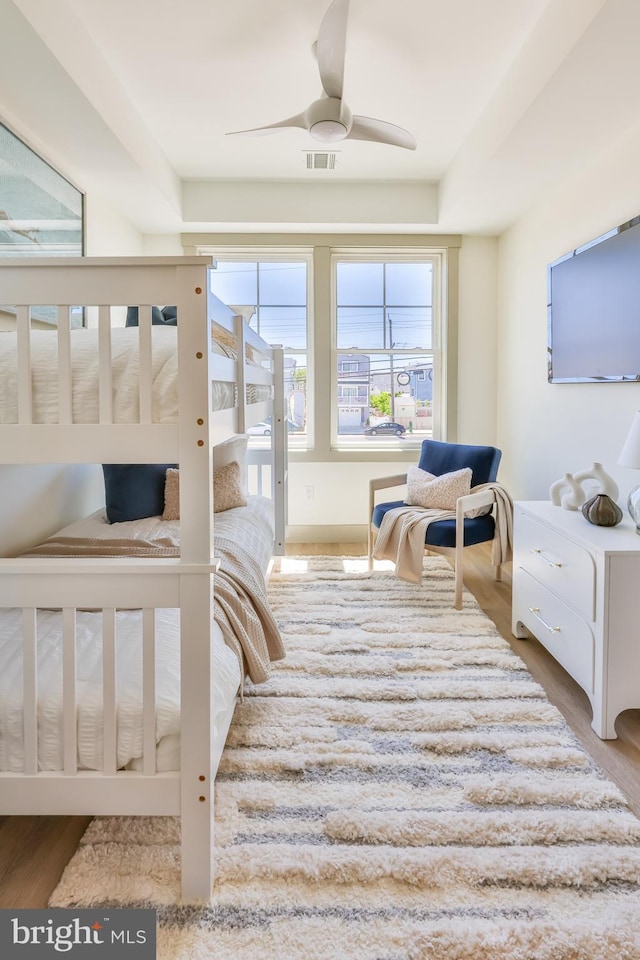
[
  {"x": 379, "y": 131},
  {"x": 290, "y": 123},
  {"x": 330, "y": 48}
]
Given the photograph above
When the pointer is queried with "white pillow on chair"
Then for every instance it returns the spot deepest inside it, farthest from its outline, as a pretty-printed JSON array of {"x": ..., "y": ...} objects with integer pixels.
[{"x": 437, "y": 493}]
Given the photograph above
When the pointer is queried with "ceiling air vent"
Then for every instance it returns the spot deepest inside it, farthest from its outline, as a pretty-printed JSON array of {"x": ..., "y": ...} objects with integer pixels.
[{"x": 321, "y": 160}]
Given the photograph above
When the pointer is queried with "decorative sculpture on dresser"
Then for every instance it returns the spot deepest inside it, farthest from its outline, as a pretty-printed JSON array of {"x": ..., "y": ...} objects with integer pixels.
[
  {"x": 572, "y": 490},
  {"x": 567, "y": 492},
  {"x": 601, "y": 481}
]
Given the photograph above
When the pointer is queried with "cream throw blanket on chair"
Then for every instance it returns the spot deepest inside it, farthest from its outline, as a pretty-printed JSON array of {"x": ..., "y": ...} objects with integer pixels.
[{"x": 402, "y": 533}]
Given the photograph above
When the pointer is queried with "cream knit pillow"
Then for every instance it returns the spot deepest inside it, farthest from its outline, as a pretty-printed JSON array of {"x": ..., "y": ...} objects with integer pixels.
[
  {"x": 437, "y": 493},
  {"x": 227, "y": 490},
  {"x": 227, "y": 487},
  {"x": 235, "y": 448},
  {"x": 172, "y": 495}
]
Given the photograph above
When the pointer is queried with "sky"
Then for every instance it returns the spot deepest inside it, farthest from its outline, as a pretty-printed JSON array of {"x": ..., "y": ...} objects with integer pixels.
[{"x": 378, "y": 305}]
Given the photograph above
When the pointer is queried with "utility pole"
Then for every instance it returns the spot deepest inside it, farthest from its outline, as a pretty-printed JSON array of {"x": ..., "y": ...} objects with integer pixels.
[{"x": 392, "y": 390}]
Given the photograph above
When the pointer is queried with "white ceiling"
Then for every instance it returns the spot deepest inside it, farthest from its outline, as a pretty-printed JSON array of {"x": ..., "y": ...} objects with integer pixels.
[{"x": 505, "y": 98}]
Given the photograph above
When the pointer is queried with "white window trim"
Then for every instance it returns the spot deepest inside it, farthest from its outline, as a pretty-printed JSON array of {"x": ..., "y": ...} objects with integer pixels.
[
  {"x": 438, "y": 258},
  {"x": 277, "y": 254},
  {"x": 320, "y": 245}
]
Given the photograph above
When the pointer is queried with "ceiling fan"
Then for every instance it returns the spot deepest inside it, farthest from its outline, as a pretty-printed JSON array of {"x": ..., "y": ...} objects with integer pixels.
[{"x": 329, "y": 119}]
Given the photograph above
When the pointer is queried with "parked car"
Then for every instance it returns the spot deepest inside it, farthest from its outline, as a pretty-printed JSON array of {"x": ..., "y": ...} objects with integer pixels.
[
  {"x": 264, "y": 429},
  {"x": 385, "y": 429}
]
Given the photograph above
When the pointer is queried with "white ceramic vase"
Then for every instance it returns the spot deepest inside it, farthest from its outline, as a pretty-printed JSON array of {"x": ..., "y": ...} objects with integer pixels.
[
  {"x": 567, "y": 493},
  {"x": 597, "y": 480}
]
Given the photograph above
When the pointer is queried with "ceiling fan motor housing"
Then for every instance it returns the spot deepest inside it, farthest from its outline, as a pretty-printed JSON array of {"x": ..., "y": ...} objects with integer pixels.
[{"x": 328, "y": 119}]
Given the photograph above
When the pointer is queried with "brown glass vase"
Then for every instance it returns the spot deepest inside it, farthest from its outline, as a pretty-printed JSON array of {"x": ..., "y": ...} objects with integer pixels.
[{"x": 602, "y": 511}]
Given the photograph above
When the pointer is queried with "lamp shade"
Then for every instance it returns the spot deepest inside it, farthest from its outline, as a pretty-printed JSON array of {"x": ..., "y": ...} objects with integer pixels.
[{"x": 630, "y": 453}]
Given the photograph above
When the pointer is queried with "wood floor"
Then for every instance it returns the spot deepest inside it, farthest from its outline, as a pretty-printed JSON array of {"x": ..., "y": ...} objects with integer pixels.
[{"x": 35, "y": 850}]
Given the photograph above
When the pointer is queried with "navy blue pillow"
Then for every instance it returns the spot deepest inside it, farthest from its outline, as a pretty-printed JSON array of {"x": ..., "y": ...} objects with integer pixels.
[
  {"x": 157, "y": 316},
  {"x": 134, "y": 490},
  {"x": 170, "y": 316}
]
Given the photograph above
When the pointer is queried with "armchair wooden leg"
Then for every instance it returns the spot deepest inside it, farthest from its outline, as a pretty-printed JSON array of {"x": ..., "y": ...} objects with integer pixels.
[
  {"x": 457, "y": 602},
  {"x": 370, "y": 545},
  {"x": 459, "y": 548}
]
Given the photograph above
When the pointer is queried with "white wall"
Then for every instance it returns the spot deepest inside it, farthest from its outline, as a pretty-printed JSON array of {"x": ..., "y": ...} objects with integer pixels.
[
  {"x": 163, "y": 245},
  {"x": 38, "y": 500},
  {"x": 477, "y": 340},
  {"x": 108, "y": 234},
  {"x": 548, "y": 429}
]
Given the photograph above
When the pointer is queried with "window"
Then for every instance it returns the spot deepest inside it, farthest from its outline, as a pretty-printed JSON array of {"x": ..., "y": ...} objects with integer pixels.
[
  {"x": 364, "y": 327},
  {"x": 384, "y": 321},
  {"x": 273, "y": 292},
  {"x": 347, "y": 391}
]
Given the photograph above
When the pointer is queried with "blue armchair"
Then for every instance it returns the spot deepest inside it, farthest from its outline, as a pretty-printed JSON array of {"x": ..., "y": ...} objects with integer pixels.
[{"x": 448, "y": 537}]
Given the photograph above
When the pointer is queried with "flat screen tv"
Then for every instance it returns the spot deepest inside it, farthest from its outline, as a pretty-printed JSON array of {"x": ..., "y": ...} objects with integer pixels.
[{"x": 593, "y": 309}]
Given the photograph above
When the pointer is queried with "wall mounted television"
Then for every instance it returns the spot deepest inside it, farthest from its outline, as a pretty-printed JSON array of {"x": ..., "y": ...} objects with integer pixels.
[{"x": 593, "y": 310}]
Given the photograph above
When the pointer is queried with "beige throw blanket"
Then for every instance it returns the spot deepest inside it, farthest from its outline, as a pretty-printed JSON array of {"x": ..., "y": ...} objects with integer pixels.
[
  {"x": 402, "y": 533},
  {"x": 239, "y": 599},
  {"x": 99, "y": 547},
  {"x": 242, "y": 612}
]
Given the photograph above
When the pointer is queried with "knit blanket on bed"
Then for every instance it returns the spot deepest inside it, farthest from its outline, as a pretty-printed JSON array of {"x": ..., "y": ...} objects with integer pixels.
[
  {"x": 402, "y": 533},
  {"x": 99, "y": 547},
  {"x": 240, "y": 604},
  {"x": 242, "y": 612}
]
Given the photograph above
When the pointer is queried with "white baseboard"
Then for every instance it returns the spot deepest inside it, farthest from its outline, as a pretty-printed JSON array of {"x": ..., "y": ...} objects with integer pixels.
[{"x": 327, "y": 533}]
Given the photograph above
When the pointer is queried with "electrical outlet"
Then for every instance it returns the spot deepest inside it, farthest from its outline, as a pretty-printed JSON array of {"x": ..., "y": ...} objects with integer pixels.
[{"x": 309, "y": 491}]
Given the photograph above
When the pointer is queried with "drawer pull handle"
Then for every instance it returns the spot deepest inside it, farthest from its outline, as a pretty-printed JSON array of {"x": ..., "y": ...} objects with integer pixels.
[
  {"x": 536, "y": 612},
  {"x": 552, "y": 563}
]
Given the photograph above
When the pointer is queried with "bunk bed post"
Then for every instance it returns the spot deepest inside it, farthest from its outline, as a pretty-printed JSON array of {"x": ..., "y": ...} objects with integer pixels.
[
  {"x": 241, "y": 379},
  {"x": 280, "y": 440},
  {"x": 196, "y": 588}
]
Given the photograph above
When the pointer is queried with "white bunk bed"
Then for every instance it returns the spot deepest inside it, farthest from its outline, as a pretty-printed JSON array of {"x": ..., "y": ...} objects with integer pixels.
[{"x": 74, "y": 590}]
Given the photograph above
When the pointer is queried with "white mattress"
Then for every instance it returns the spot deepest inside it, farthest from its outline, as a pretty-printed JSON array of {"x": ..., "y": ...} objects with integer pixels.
[
  {"x": 84, "y": 360},
  {"x": 251, "y": 526}
]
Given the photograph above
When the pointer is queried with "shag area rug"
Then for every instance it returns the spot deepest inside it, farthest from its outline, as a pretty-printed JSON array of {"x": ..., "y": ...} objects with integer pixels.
[{"x": 401, "y": 789}]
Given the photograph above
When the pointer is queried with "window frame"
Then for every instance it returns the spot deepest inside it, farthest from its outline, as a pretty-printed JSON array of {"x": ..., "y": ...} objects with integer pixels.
[
  {"x": 319, "y": 244},
  {"x": 271, "y": 254},
  {"x": 381, "y": 254}
]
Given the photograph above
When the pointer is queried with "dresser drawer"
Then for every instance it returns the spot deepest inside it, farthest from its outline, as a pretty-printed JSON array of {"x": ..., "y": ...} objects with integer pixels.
[
  {"x": 565, "y": 634},
  {"x": 561, "y": 565}
]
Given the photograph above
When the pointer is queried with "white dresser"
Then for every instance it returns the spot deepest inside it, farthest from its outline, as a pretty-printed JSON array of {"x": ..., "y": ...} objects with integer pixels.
[{"x": 576, "y": 588}]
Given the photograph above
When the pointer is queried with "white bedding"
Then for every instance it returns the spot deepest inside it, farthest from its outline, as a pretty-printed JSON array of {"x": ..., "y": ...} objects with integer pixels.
[
  {"x": 84, "y": 360},
  {"x": 251, "y": 526}
]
